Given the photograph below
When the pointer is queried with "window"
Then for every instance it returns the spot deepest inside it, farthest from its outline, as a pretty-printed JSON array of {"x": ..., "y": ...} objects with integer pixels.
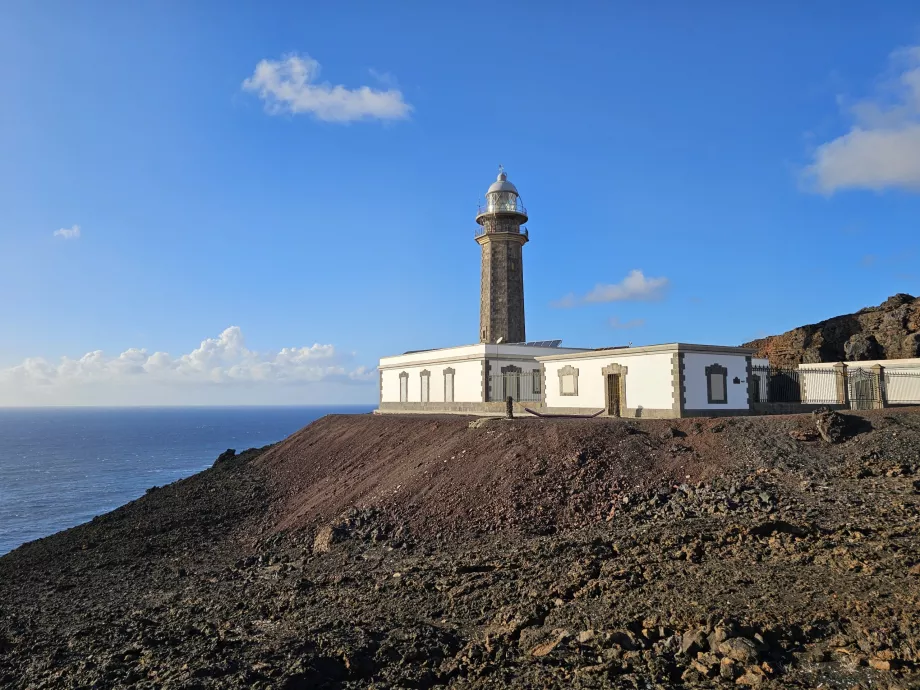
[
  {"x": 403, "y": 387},
  {"x": 426, "y": 385},
  {"x": 716, "y": 385},
  {"x": 449, "y": 384},
  {"x": 568, "y": 380}
]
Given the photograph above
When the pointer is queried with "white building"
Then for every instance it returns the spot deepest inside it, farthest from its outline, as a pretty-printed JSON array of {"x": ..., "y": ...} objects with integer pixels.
[
  {"x": 467, "y": 379},
  {"x": 658, "y": 381},
  {"x": 672, "y": 380}
]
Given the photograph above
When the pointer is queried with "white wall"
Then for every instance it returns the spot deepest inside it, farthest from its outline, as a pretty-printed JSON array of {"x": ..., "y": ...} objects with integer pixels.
[
  {"x": 695, "y": 364},
  {"x": 467, "y": 381},
  {"x": 649, "y": 381}
]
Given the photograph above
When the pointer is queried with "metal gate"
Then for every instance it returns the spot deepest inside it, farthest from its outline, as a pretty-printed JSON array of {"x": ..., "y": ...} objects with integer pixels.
[
  {"x": 864, "y": 389},
  {"x": 521, "y": 386}
]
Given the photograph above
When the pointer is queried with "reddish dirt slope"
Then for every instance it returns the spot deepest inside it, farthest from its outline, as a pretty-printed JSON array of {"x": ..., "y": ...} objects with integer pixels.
[{"x": 435, "y": 473}]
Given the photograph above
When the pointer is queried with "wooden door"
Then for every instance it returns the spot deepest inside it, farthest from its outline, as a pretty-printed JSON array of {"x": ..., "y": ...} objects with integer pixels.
[{"x": 613, "y": 395}]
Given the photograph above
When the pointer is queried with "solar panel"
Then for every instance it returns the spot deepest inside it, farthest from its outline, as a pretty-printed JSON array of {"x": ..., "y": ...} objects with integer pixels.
[{"x": 542, "y": 343}]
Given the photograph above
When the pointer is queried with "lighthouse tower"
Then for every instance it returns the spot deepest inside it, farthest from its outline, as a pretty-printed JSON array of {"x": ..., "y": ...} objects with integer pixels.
[{"x": 501, "y": 301}]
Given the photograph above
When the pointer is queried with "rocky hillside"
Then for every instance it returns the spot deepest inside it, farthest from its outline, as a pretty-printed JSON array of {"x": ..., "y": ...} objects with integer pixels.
[
  {"x": 420, "y": 552},
  {"x": 888, "y": 331}
]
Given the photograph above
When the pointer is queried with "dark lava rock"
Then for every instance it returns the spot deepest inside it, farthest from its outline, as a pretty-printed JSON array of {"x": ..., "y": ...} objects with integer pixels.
[
  {"x": 740, "y": 649},
  {"x": 693, "y": 642},
  {"x": 228, "y": 454},
  {"x": 911, "y": 346},
  {"x": 861, "y": 347},
  {"x": 830, "y": 424}
]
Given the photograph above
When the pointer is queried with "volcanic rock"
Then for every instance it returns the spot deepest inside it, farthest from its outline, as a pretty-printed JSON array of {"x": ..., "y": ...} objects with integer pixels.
[
  {"x": 861, "y": 347},
  {"x": 888, "y": 331},
  {"x": 830, "y": 425}
]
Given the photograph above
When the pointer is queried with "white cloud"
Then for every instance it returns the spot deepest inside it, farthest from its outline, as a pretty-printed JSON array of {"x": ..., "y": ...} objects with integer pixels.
[
  {"x": 71, "y": 233},
  {"x": 384, "y": 78},
  {"x": 635, "y": 287},
  {"x": 289, "y": 86},
  {"x": 221, "y": 361},
  {"x": 882, "y": 148},
  {"x": 567, "y": 302},
  {"x": 624, "y": 325}
]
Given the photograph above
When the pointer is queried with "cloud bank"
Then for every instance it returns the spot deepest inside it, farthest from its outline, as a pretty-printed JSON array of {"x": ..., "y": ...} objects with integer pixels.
[
  {"x": 882, "y": 148},
  {"x": 71, "y": 233},
  {"x": 223, "y": 363},
  {"x": 289, "y": 86},
  {"x": 635, "y": 287}
]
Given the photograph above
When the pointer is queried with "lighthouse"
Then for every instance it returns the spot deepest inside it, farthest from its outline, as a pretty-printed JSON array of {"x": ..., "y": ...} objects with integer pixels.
[{"x": 501, "y": 237}]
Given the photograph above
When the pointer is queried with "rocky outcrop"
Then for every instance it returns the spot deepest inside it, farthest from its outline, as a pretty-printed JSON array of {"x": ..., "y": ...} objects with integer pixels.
[{"x": 888, "y": 331}]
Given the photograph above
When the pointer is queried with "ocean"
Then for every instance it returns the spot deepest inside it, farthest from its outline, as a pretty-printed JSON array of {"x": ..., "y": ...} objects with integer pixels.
[{"x": 61, "y": 467}]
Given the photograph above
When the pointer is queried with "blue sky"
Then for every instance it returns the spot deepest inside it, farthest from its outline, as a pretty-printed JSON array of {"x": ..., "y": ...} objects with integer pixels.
[{"x": 758, "y": 166}]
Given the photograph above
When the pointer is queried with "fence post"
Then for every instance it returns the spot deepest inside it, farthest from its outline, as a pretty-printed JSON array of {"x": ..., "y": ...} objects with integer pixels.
[
  {"x": 843, "y": 390},
  {"x": 878, "y": 384}
]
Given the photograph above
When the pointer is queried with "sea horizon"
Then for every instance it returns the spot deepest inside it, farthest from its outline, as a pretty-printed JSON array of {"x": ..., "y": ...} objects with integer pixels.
[{"x": 61, "y": 466}]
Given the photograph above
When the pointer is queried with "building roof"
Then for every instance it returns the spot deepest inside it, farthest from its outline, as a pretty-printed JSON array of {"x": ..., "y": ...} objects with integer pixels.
[
  {"x": 650, "y": 349},
  {"x": 475, "y": 351},
  {"x": 532, "y": 343}
]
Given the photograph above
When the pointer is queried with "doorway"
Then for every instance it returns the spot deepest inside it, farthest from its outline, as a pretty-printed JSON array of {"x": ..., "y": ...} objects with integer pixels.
[
  {"x": 613, "y": 395},
  {"x": 615, "y": 389}
]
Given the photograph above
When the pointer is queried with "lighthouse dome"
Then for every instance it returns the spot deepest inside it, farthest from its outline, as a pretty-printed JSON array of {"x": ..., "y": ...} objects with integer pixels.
[
  {"x": 502, "y": 197},
  {"x": 501, "y": 184}
]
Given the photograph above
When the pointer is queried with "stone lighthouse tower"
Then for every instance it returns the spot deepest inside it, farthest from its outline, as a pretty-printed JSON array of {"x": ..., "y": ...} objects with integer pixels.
[{"x": 501, "y": 301}]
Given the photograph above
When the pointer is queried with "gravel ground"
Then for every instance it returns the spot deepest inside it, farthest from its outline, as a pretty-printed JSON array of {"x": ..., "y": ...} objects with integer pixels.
[{"x": 415, "y": 552}]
